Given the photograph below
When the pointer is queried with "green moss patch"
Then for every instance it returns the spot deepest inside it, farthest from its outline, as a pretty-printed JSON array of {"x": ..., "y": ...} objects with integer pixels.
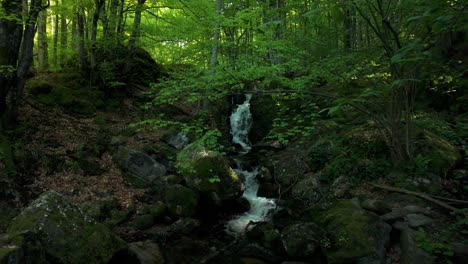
[{"x": 67, "y": 235}]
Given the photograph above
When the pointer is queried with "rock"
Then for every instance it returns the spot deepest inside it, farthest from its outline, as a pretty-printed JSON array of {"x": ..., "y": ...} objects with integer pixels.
[
  {"x": 411, "y": 253},
  {"x": 255, "y": 251},
  {"x": 400, "y": 225},
  {"x": 417, "y": 220},
  {"x": 179, "y": 141},
  {"x": 308, "y": 190},
  {"x": 376, "y": 206},
  {"x": 118, "y": 141},
  {"x": 181, "y": 201},
  {"x": 265, "y": 234},
  {"x": 354, "y": 234},
  {"x": 139, "y": 165},
  {"x": 209, "y": 172},
  {"x": 289, "y": 169},
  {"x": 340, "y": 187},
  {"x": 264, "y": 111},
  {"x": 184, "y": 226},
  {"x": 147, "y": 252},
  {"x": 400, "y": 213},
  {"x": 185, "y": 250},
  {"x": 64, "y": 232},
  {"x": 264, "y": 175},
  {"x": 158, "y": 210},
  {"x": 268, "y": 190},
  {"x": 143, "y": 222},
  {"x": 301, "y": 240}
]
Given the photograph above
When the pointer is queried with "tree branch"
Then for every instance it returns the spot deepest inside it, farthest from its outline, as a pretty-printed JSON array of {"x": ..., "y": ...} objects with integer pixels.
[{"x": 418, "y": 194}]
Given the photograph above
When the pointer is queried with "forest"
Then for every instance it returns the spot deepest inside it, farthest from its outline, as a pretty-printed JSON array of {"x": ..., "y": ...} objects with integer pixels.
[{"x": 233, "y": 132}]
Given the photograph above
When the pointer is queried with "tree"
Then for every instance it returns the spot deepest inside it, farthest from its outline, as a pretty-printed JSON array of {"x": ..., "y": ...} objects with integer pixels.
[{"x": 14, "y": 65}]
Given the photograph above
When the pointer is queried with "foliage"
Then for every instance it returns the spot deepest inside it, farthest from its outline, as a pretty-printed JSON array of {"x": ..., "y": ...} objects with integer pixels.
[{"x": 442, "y": 248}]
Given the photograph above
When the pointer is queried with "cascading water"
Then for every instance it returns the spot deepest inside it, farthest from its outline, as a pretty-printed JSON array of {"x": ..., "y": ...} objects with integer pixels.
[{"x": 241, "y": 122}]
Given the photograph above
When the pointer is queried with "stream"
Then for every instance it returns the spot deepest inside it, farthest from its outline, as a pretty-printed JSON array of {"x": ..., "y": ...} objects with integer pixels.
[{"x": 241, "y": 123}]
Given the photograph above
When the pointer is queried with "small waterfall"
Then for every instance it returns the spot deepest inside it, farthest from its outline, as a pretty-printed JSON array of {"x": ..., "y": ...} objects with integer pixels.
[{"x": 241, "y": 122}]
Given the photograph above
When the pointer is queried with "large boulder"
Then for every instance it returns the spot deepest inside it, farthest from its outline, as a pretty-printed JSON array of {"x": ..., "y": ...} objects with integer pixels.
[
  {"x": 139, "y": 167},
  {"x": 356, "y": 236},
  {"x": 181, "y": 201},
  {"x": 208, "y": 172},
  {"x": 302, "y": 239},
  {"x": 63, "y": 232}
]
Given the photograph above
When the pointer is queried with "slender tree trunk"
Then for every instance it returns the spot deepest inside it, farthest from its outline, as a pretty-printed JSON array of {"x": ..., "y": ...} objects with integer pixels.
[
  {"x": 63, "y": 37},
  {"x": 42, "y": 48},
  {"x": 55, "y": 39},
  {"x": 75, "y": 38},
  {"x": 136, "y": 27},
  {"x": 81, "y": 44},
  {"x": 214, "y": 53},
  {"x": 121, "y": 22},
  {"x": 109, "y": 31},
  {"x": 98, "y": 6}
]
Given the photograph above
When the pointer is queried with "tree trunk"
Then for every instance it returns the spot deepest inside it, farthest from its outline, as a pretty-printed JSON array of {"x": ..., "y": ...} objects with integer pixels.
[
  {"x": 55, "y": 39},
  {"x": 10, "y": 42},
  {"x": 42, "y": 48},
  {"x": 81, "y": 42},
  {"x": 63, "y": 38},
  {"x": 98, "y": 6},
  {"x": 109, "y": 31},
  {"x": 214, "y": 53},
  {"x": 135, "y": 33},
  {"x": 136, "y": 27},
  {"x": 75, "y": 38}
]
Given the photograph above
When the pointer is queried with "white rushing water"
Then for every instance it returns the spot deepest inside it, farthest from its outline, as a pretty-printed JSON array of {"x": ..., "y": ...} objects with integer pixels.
[{"x": 241, "y": 122}]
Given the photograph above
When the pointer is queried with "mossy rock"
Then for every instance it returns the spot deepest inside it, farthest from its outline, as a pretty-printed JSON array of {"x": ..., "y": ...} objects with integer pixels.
[
  {"x": 442, "y": 153},
  {"x": 7, "y": 213},
  {"x": 37, "y": 87},
  {"x": 354, "y": 233},
  {"x": 158, "y": 210},
  {"x": 66, "y": 234},
  {"x": 143, "y": 222},
  {"x": 208, "y": 172},
  {"x": 82, "y": 101},
  {"x": 181, "y": 201}
]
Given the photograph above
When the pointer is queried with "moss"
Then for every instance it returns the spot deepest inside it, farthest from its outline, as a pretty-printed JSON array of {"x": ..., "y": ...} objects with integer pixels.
[
  {"x": 143, "y": 222},
  {"x": 351, "y": 231},
  {"x": 37, "y": 87},
  {"x": 66, "y": 234},
  {"x": 158, "y": 210},
  {"x": 207, "y": 171},
  {"x": 181, "y": 201},
  {"x": 6, "y": 215},
  {"x": 78, "y": 101},
  {"x": 442, "y": 154}
]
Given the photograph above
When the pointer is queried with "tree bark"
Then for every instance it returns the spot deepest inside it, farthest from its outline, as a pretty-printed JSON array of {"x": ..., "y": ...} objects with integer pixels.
[
  {"x": 135, "y": 33},
  {"x": 42, "y": 47},
  {"x": 81, "y": 41},
  {"x": 63, "y": 38},
  {"x": 214, "y": 53}
]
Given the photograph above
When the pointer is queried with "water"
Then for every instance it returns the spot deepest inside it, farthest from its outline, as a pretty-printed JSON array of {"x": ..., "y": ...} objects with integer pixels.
[{"x": 241, "y": 123}]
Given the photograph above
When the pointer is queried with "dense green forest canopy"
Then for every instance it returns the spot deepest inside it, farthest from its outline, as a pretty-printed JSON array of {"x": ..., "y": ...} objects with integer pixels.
[
  {"x": 375, "y": 56},
  {"x": 133, "y": 110}
]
